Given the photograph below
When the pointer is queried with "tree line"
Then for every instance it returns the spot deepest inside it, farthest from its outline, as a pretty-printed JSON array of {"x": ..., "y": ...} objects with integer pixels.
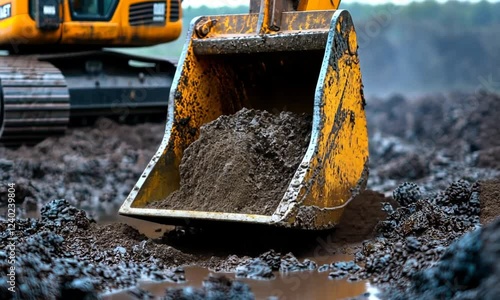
[{"x": 420, "y": 47}]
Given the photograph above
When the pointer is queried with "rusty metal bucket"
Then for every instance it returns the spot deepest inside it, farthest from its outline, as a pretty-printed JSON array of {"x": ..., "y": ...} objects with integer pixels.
[{"x": 271, "y": 58}]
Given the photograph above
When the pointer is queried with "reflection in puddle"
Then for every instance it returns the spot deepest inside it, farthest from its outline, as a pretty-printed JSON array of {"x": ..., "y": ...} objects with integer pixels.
[
  {"x": 297, "y": 285},
  {"x": 291, "y": 286}
]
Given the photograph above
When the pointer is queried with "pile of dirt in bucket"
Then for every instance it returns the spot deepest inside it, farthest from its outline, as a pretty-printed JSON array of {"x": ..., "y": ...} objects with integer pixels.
[
  {"x": 92, "y": 168},
  {"x": 241, "y": 163}
]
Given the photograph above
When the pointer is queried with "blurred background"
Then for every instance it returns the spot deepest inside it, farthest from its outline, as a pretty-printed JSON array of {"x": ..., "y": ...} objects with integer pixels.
[{"x": 406, "y": 47}]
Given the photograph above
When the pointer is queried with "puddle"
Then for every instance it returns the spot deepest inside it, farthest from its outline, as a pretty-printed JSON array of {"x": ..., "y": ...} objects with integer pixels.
[
  {"x": 299, "y": 285},
  {"x": 149, "y": 229},
  {"x": 296, "y": 285}
]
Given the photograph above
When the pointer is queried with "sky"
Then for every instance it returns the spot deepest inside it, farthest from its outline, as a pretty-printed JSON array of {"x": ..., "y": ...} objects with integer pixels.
[{"x": 213, "y": 3}]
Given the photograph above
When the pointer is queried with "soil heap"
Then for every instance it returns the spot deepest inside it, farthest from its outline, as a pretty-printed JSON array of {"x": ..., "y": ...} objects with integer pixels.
[{"x": 241, "y": 163}]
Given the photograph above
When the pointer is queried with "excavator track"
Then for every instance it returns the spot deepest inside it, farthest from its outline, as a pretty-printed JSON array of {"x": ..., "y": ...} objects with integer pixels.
[
  {"x": 34, "y": 100},
  {"x": 43, "y": 94}
]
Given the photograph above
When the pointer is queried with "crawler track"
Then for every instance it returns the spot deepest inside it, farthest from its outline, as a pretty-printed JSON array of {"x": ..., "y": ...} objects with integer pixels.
[{"x": 34, "y": 100}]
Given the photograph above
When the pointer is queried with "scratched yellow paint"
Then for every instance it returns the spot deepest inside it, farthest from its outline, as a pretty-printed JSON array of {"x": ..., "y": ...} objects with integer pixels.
[
  {"x": 337, "y": 167},
  {"x": 207, "y": 86}
]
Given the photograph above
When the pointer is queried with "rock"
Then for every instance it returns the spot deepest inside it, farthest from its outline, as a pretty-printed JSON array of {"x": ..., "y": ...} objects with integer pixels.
[
  {"x": 407, "y": 193},
  {"x": 255, "y": 269}
]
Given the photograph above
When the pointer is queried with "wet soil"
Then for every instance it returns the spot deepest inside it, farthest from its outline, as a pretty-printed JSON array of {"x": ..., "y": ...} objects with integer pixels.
[
  {"x": 468, "y": 269},
  {"x": 433, "y": 141},
  {"x": 241, "y": 163},
  {"x": 437, "y": 156},
  {"x": 433, "y": 161},
  {"x": 70, "y": 250},
  {"x": 415, "y": 234},
  {"x": 490, "y": 200},
  {"x": 78, "y": 255},
  {"x": 92, "y": 168}
]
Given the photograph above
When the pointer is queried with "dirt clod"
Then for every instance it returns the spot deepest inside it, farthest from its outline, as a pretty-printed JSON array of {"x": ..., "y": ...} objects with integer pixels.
[
  {"x": 241, "y": 163},
  {"x": 255, "y": 269},
  {"x": 407, "y": 193}
]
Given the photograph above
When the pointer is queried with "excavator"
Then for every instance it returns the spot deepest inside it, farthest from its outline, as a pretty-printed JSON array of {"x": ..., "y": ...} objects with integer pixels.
[
  {"x": 301, "y": 55},
  {"x": 58, "y": 71}
]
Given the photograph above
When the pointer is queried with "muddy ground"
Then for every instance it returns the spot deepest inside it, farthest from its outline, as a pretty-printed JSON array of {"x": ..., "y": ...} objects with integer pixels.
[
  {"x": 430, "y": 168},
  {"x": 92, "y": 168}
]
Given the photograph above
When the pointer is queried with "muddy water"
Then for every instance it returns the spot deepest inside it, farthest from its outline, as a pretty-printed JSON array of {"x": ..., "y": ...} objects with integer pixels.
[
  {"x": 300, "y": 285},
  {"x": 149, "y": 229},
  {"x": 296, "y": 285}
]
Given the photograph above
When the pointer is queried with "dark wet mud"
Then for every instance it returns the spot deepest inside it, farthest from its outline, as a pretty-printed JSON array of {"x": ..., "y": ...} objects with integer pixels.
[
  {"x": 433, "y": 141},
  {"x": 426, "y": 228},
  {"x": 242, "y": 163},
  {"x": 490, "y": 200},
  {"x": 468, "y": 269},
  {"x": 92, "y": 168},
  {"x": 68, "y": 248},
  {"x": 414, "y": 235}
]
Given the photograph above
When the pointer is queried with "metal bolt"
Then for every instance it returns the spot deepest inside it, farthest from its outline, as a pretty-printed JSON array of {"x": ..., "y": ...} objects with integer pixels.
[{"x": 204, "y": 27}]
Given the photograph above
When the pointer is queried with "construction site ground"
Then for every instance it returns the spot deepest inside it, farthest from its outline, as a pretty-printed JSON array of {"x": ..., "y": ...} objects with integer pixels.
[{"x": 427, "y": 226}]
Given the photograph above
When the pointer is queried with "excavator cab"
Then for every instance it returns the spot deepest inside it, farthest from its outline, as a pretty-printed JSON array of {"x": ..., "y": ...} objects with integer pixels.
[
  {"x": 87, "y": 24},
  {"x": 302, "y": 55}
]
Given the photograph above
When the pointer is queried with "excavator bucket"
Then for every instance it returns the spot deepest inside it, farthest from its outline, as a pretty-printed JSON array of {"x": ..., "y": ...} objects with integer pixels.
[{"x": 298, "y": 55}]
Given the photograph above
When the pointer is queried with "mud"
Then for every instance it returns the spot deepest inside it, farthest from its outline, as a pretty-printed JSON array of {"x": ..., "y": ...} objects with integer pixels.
[
  {"x": 92, "y": 168},
  {"x": 415, "y": 235},
  {"x": 434, "y": 170},
  {"x": 458, "y": 123},
  {"x": 433, "y": 140},
  {"x": 69, "y": 250},
  {"x": 447, "y": 146},
  {"x": 67, "y": 247},
  {"x": 468, "y": 269},
  {"x": 490, "y": 200},
  {"x": 241, "y": 163}
]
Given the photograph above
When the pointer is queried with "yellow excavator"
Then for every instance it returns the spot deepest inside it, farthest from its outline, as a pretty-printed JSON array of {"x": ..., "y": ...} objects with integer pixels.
[
  {"x": 302, "y": 55},
  {"x": 57, "y": 72}
]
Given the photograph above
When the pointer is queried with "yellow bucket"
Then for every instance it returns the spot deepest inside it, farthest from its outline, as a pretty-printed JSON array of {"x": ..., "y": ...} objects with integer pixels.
[{"x": 306, "y": 61}]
